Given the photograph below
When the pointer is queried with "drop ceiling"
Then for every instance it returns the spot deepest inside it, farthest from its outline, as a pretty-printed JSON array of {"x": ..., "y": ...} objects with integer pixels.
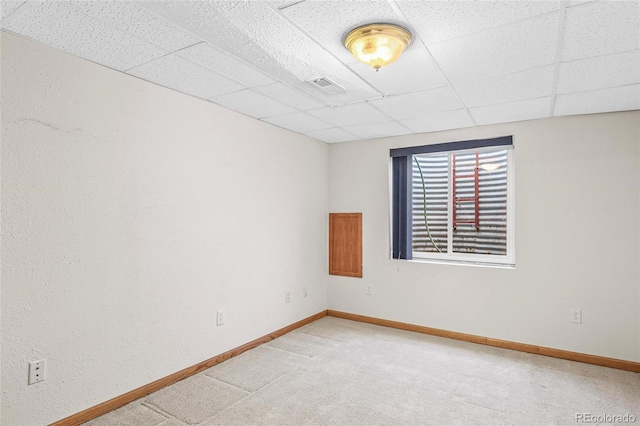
[{"x": 471, "y": 62}]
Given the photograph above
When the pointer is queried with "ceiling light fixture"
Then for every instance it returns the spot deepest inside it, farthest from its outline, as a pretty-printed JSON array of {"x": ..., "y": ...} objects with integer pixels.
[{"x": 377, "y": 44}]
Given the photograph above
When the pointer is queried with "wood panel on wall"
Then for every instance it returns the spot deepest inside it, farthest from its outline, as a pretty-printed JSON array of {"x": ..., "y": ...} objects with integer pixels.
[{"x": 345, "y": 244}]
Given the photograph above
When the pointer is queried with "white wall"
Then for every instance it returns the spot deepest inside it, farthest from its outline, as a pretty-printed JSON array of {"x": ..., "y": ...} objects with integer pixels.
[
  {"x": 130, "y": 214},
  {"x": 577, "y": 240}
]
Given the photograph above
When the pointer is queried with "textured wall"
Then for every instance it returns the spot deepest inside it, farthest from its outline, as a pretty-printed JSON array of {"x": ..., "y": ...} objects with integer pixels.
[
  {"x": 130, "y": 214},
  {"x": 577, "y": 240}
]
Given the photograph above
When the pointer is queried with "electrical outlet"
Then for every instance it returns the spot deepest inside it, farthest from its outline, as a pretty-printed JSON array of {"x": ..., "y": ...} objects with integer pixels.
[
  {"x": 219, "y": 317},
  {"x": 287, "y": 297},
  {"x": 576, "y": 316},
  {"x": 368, "y": 291},
  {"x": 305, "y": 293},
  {"x": 36, "y": 371}
]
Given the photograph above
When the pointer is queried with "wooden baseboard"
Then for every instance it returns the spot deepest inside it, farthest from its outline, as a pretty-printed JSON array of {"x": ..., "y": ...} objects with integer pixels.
[
  {"x": 119, "y": 401},
  {"x": 522, "y": 347}
]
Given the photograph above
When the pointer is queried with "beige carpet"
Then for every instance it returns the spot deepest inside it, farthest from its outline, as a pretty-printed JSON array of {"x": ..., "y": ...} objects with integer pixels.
[{"x": 340, "y": 372}]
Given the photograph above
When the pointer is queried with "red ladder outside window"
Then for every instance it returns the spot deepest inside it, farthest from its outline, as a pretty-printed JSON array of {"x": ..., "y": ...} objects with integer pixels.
[{"x": 475, "y": 199}]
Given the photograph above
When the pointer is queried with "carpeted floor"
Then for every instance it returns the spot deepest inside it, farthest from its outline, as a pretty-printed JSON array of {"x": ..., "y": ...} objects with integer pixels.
[{"x": 340, "y": 372}]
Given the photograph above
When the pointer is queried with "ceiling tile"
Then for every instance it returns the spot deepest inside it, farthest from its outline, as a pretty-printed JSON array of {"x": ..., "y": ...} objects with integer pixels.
[
  {"x": 437, "y": 121},
  {"x": 289, "y": 96},
  {"x": 328, "y": 22},
  {"x": 437, "y": 21},
  {"x": 419, "y": 103},
  {"x": 518, "y": 86},
  {"x": 623, "y": 98},
  {"x": 331, "y": 135},
  {"x": 138, "y": 21},
  {"x": 378, "y": 130},
  {"x": 225, "y": 64},
  {"x": 504, "y": 50},
  {"x": 298, "y": 122},
  {"x": 179, "y": 74},
  {"x": 253, "y": 104},
  {"x": 600, "y": 28},
  {"x": 61, "y": 25},
  {"x": 204, "y": 20},
  {"x": 414, "y": 71},
  {"x": 349, "y": 115},
  {"x": 8, "y": 7},
  {"x": 513, "y": 111},
  {"x": 597, "y": 73}
]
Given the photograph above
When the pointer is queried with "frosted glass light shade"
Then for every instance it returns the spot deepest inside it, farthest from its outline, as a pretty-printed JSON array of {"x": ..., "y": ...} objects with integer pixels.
[{"x": 377, "y": 44}]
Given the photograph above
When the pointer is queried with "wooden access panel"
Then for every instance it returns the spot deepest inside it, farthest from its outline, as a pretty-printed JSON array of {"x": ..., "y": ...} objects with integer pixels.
[{"x": 345, "y": 244}]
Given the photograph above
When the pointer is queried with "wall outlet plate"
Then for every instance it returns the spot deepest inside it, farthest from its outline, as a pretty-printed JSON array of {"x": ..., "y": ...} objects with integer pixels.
[
  {"x": 576, "y": 316},
  {"x": 287, "y": 297},
  {"x": 220, "y": 317},
  {"x": 36, "y": 371}
]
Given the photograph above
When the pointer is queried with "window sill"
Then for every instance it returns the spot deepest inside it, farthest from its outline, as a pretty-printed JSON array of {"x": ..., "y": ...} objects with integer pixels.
[{"x": 461, "y": 263}]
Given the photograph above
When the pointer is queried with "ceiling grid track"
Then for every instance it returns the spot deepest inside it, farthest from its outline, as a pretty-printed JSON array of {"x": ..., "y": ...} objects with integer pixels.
[{"x": 556, "y": 70}]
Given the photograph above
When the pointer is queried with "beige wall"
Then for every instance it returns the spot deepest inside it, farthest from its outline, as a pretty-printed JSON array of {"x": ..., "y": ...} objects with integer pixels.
[
  {"x": 577, "y": 240},
  {"x": 130, "y": 214}
]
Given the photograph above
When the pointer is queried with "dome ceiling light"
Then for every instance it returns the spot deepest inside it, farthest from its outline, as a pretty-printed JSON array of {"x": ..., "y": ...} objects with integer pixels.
[{"x": 377, "y": 44}]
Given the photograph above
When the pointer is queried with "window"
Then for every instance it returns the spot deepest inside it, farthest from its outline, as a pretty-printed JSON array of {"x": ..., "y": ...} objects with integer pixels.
[{"x": 454, "y": 202}]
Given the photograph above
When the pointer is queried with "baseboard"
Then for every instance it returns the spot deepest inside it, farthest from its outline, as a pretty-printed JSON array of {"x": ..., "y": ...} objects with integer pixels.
[
  {"x": 119, "y": 401},
  {"x": 522, "y": 347}
]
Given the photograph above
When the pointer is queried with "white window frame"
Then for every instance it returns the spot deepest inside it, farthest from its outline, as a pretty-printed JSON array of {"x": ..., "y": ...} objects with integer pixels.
[
  {"x": 488, "y": 259},
  {"x": 400, "y": 209}
]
